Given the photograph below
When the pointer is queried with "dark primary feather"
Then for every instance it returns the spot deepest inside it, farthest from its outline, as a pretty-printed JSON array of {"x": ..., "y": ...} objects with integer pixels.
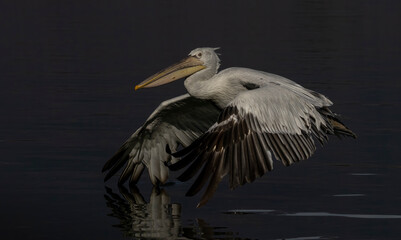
[
  {"x": 244, "y": 157},
  {"x": 237, "y": 146},
  {"x": 117, "y": 161}
]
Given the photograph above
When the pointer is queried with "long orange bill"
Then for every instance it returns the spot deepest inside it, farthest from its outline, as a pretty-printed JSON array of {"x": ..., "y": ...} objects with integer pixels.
[{"x": 186, "y": 67}]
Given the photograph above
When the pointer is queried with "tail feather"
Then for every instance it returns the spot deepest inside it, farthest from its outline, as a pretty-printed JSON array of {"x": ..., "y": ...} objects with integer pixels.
[{"x": 340, "y": 129}]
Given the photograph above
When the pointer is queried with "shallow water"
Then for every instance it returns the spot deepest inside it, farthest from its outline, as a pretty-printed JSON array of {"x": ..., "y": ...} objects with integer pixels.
[{"x": 68, "y": 72}]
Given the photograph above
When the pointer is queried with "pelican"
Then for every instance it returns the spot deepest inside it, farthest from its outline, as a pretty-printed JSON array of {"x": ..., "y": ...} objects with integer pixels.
[{"x": 232, "y": 122}]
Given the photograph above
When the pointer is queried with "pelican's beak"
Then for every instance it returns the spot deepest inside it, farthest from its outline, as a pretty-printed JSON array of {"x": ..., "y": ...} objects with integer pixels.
[{"x": 186, "y": 67}]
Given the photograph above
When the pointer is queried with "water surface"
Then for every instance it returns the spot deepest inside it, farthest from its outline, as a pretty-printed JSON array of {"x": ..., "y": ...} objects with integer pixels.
[{"x": 68, "y": 70}]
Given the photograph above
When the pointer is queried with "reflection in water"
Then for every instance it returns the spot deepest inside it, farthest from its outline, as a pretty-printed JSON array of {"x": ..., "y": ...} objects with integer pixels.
[{"x": 158, "y": 218}]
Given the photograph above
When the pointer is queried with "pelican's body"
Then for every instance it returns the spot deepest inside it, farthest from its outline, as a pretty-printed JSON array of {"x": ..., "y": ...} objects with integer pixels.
[
  {"x": 223, "y": 87},
  {"x": 231, "y": 123}
]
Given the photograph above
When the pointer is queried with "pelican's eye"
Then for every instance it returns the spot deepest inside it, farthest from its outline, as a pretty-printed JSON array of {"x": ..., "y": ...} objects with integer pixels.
[{"x": 199, "y": 55}]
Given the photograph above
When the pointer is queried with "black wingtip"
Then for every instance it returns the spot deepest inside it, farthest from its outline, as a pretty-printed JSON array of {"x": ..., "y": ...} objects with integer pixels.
[
  {"x": 171, "y": 166},
  {"x": 346, "y": 133},
  {"x": 168, "y": 149},
  {"x": 175, "y": 154},
  {"x": 188, "y": 149}
]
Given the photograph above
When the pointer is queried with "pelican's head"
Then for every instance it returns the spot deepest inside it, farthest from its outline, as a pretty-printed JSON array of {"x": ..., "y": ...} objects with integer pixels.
[
  {"x": 208, "y": 56},
  {"x": 200, "y": 59}
]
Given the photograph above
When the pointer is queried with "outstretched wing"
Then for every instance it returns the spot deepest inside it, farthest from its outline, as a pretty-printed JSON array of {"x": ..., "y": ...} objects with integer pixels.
[
  {"x": 180, "y": 120},
  {"x": 277, "y": 119}
]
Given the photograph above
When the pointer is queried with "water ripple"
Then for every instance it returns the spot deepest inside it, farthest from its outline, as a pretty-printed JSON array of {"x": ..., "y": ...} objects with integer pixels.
[
  {"x": 325, "y": 214},
  {"x": 312, "y": 214},
  {"x": 349, "y": 195},
  {"x": 363, "y": 174}
]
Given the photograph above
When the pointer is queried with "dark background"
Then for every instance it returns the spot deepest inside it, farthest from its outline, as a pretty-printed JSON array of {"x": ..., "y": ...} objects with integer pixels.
[{"x": 68, "y": 71}]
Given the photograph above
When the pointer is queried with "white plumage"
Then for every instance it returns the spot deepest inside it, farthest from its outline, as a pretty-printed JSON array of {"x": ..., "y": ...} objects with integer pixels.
[{"x": 231, "y": 123}]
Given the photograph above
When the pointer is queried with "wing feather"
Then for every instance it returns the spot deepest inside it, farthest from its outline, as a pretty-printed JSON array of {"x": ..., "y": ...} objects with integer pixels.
[
  {"x": 194, "y": 167},
  {"x": 216, "y": 178},
  {"x": 176, "y": 121},
  {"x": 277, "y": 120},
  {"x": 203, "y": 177}
]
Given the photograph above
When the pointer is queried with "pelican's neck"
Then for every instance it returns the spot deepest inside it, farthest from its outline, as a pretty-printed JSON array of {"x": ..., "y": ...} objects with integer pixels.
[{"x": 198, "y": 85}]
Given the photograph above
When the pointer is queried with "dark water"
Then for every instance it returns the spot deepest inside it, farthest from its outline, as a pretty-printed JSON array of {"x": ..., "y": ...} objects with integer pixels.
[{"x": 67, "y": 74}]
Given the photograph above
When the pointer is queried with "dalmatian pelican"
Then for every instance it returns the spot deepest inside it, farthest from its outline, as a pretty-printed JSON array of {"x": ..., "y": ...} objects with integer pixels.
[{"x": 232, "y": 122}]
